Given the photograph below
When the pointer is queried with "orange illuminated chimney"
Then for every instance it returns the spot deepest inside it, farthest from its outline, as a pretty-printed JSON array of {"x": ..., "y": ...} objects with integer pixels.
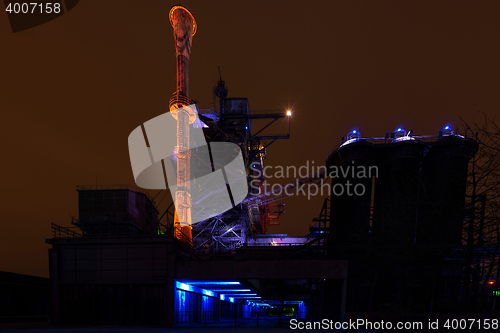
[{"x": 184, "y": 29}]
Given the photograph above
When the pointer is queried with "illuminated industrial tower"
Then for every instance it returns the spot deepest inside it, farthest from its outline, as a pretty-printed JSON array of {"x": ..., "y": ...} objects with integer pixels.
[{"x": 184, "y": 29}]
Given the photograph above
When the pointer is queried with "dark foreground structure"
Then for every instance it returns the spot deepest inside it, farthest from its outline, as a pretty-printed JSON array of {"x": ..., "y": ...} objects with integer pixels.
[
  {"x": 389, "y": 237},
  {"x": 403, "y": 235},
  {"x": 159, "y": 280},
  {"x": 397, "y": 244},
  {"x": 122, "y": 264},
  {"x": 23, "y": 298}
]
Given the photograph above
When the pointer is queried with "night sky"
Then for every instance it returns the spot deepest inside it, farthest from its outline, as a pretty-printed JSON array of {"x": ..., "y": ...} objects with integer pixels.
[{"x": 72, "y": 90}]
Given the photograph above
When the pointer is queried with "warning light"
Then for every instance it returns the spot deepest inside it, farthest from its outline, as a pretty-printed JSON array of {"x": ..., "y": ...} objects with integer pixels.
[{"x": 288, "y": 113}]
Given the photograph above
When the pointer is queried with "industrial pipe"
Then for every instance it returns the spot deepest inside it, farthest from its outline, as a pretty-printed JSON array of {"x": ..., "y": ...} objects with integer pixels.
[{"x": 184, "y": 26}]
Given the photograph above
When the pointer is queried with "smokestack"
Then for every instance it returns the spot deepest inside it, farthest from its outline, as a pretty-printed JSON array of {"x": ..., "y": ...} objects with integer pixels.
[{"x": 184, "y": 29}]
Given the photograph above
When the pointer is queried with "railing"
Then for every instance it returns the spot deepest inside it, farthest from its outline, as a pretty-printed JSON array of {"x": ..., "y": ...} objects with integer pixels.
[
  {"x": 183, "y": 238},
  {"x": 278, "y": 244},
  {"x": 177, "y": 101},
  {"x": 169, "y": 230},
  {"x": 422, "y": 138},
  {"x": 75, "y": 232},
  {"x": 65, "y": 232}
]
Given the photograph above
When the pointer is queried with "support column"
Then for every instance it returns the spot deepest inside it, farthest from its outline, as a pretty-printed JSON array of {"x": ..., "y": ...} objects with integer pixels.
[
  {"x": 170, "y": 285},
  {"x": 54, "y": 287}
]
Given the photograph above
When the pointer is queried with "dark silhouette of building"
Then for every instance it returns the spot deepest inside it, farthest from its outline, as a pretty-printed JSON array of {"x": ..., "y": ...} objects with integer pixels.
[
  {"x": 24, "y": 298},
  {"x": 401, "y": 234}
]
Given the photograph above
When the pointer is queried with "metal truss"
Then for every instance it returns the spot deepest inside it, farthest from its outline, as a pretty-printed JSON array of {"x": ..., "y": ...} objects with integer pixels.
[{"x": 219, "y": 234}]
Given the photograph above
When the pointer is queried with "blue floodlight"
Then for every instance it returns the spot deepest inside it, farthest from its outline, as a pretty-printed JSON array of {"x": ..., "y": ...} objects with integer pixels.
[
  {"x": 208, "y": 293},
  {"x": 230, "y": 290},
  {"x": 213, "y": 282},
  {"x": 183, "y": 286},
  {"x": 353, "y": 136}
]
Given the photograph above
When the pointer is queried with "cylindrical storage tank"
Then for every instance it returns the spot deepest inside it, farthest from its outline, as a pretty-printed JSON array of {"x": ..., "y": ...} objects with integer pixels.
[
  {"x": 397, "y": 192},
  {"x": 444, "y": 177},
  {"x": 349, "y": 169}
]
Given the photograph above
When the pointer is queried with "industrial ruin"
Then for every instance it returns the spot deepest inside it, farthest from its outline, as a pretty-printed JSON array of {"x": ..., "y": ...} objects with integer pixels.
[{"x": 126, "y": 261}]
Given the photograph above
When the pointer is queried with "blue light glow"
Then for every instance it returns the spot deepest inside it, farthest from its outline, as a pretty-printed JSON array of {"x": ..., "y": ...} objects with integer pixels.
[
  {"x": 181, "y": 300},
  {"x": 447, "y": 127},
  {"x": 183, "y": 286},
  {"x": 225, "y": 298},
  {"x": 399, "y": 129},
  {"x": 213, "y": 283},
  {"x": 206, "y": 304},
  {"x": 246, "y": 127},
  {"x": 352, "y": 136},
  {"x": 208, "y": 293}
]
